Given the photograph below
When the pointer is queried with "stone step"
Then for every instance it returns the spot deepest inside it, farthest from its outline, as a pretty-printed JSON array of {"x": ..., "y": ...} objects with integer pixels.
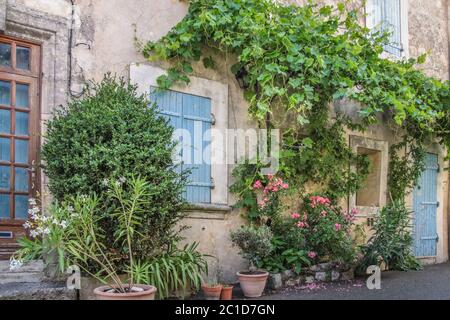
[
  {"x": 34, "y": 266},
  {"x": 21, "y": 277},
  {"x": 36, "y": 291}
]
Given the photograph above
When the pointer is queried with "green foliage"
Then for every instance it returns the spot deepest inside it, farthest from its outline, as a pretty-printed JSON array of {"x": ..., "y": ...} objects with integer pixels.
[
  {"x": 392, "y": 240},
  {"x": 288, "y": 251},
  {"x": 174, "y": 272},
  {"x": 405, "y": 166},
  {"x": 300, "y": 59},
  {"x": 293, "y": 63},
  {"x": 258, "y": 194},
  {"x": 75, "y": 230},
  {"x": 255, "y": 244},
  {"x": 112, "y": 134}
]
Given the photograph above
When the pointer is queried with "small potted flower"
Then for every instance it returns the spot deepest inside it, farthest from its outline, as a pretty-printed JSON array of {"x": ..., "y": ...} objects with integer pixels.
[
  {"x": 212, "y": 290},
  {"x": 227, "y": 292},
  {"x": 254, "y": 244}
]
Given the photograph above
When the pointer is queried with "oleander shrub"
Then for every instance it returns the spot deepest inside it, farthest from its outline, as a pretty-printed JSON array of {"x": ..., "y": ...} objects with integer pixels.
[{"x": 392, "y": 241}]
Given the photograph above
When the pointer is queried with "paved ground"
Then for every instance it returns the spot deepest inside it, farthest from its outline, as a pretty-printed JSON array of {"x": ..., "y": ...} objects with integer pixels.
[{"x": 433, "y": 283}]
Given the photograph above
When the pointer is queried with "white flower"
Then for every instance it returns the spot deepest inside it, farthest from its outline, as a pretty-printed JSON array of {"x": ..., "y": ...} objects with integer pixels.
[
  {"x": 27, "y": 225},
  {"x": 32, "y": 201},
  {"x": 46, "y": 231},
  {"x": 63, "y": 224},
  {"x": 34, "y": 234},
  {"x": 70, "y": 209},
  {"x": 15, "y": 264},
  {"x": 105, "y": 182},
  {"x": 122, "y": 179},
  {"x": 54, "y": 221}
]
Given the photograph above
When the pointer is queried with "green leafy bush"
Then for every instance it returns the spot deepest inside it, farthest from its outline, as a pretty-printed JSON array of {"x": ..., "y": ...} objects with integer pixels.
[
  {"x": 254, "y": 243},
  {"x": 392, "y": 241},
  {"x": 112, "y": 134}
]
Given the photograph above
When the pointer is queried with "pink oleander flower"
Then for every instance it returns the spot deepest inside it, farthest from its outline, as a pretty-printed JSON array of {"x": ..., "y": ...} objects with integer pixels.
[
  {"x": 270, "y": 176},
  {"x": 338, "y": 226},
  {"x": 258, "y": 185},
  {"x": 302, "y": 225},
  {"x": 295, "y": 215},
  {"x": 285, "y": 186},
  {"x": 312, "y": 254},
  {"x": 354, "y": 211},
  {"x": 324, "y": 214},
  {"x": 275, "y": 189},
  {"x": 318, "y": 200}
]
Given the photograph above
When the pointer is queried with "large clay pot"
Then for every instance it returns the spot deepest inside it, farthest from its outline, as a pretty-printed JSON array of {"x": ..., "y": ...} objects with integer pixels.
[
  {"x": 253, "y": 283},
  {"x": 212, "y": 292},
  {"x": 148, "y": 293}
]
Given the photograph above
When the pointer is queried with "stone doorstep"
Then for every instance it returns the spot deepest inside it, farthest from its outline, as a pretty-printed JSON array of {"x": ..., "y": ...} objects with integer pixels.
[
  {"x": 36, "y": 291},
  {"x": 35, "y": 266},
  {"x": 32, "y": 272}
]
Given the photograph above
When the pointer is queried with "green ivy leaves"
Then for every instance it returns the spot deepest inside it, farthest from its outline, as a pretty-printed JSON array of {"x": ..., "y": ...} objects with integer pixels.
[{"x": 304, "y": 58}]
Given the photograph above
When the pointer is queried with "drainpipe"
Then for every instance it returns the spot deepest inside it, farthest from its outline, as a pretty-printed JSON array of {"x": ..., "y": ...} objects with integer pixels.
[{"x": 71, "y": 92}]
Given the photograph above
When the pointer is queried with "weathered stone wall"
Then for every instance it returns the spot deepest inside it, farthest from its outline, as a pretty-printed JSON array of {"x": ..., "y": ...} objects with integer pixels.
[
  {"x": 428, "y": 32},
  {"x": 103, "y": 41}
]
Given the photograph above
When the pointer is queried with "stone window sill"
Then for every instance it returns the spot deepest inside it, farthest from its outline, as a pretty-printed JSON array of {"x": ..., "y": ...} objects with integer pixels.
[{"x": 208, "y": 211}]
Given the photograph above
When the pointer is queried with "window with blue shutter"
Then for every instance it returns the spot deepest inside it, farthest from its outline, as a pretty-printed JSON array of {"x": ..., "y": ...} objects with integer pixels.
[
  {"x": 386, "y": 15},
  {"x": 193, "y": 114}
]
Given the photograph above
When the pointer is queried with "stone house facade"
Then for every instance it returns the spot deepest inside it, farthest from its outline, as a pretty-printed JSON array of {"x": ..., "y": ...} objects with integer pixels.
[{"x": 69, "y": 41}]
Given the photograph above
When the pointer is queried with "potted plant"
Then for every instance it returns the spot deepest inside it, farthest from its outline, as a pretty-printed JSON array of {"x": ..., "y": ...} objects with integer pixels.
[
  {"x": 254, "y": 244},
  {"x": 227, "y": 292},
  {"x": 212, "y": 290},
  {"x": 85, "y": 244}
]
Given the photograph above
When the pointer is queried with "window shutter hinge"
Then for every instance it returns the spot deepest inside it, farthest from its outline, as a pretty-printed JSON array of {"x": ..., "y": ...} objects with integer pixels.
[
  {"x": 213, "y": 184},
  {"x": 213, "y": 119}
]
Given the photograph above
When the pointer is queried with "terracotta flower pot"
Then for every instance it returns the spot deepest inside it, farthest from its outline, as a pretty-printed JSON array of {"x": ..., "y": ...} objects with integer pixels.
[
  {"x": 148, "y": 293},
  {"x": 212, "y": 292},
  {"x": 227, "y": 293},
  {"x": 253, "y": 283}
]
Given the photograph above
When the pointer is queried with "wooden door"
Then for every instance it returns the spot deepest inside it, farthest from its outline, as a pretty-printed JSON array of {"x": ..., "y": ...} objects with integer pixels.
[
  {"x": 425, "y": 209},
  {"x": 19, "y": 137}
]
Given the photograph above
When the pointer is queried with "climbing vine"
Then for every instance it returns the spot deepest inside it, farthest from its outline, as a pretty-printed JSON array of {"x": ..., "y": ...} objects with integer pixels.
[{"x": 300, "y": 60}]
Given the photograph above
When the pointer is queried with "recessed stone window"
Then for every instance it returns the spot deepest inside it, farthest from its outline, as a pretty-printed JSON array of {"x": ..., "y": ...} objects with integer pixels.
[
  {"x": 372, "y": 196},
  {"x": 369, "y": 194}
]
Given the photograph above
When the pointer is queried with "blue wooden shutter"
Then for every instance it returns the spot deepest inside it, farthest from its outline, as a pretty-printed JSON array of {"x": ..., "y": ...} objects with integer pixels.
[
  {"x": 387, "y": 16},
  {"x": 197, "y": 119},
  {"x": 192, "y": 113}
]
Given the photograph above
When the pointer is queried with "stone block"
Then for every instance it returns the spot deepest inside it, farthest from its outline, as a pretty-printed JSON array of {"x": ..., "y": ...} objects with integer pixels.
[
  {"x": 309, "y": 279},
  {"x": 335, "y": 275},
  {"x": 321, "y": 276},
  {"x": 348, "y": 275},
  {"x": 275, "y": 281},
  {"x": 287, "y": 274}
]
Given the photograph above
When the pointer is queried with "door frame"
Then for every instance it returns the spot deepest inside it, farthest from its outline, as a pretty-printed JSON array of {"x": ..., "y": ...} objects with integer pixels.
[{"x": 34, "y": 78}]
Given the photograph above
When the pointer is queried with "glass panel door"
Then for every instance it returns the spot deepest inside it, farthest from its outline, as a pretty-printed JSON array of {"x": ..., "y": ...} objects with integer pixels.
[{"x": 19, "y": 125}]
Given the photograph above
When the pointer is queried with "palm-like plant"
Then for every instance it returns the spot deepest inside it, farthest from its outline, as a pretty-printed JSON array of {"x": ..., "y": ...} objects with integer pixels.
[{"x": 85, "y": 240}]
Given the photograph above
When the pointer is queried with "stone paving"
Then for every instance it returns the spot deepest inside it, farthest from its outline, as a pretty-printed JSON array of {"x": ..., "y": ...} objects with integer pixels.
[{"x": 432, "y": 283}]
